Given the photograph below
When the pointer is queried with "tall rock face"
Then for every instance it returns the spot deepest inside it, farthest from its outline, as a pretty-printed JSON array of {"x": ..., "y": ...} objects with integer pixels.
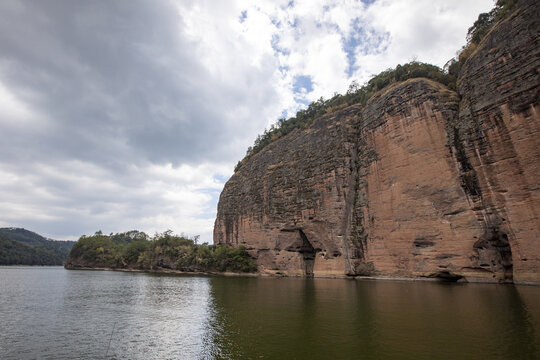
[
  {"x": 421, "y": 182},
  {"x": 289, "y": 203},
  {"x": 416, "y": 215},
  {"x": 498, "y": 142}
]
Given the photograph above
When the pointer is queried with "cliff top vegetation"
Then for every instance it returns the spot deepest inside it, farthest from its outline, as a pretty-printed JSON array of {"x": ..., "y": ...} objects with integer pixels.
[
  {"x": 477, "y": 32},
  {"x": 357, "y": 94}
]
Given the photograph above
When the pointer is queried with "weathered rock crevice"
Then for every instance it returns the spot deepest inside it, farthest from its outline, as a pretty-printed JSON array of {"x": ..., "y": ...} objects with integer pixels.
[
  {"x": 363, "y": 155},
  {"x": 467, "y": 174}
]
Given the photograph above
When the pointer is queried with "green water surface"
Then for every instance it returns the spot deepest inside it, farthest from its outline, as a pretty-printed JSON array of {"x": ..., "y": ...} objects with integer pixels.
[{"x": 52, "y": 313}]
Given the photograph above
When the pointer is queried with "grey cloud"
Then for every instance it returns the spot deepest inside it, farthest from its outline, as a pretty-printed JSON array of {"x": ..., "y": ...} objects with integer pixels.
[
  {"x": 114, "y": 87},
  {"x": 120, "y": 83}
]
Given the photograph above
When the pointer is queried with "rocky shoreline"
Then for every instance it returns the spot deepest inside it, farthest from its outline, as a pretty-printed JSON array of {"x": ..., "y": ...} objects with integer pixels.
[
  {"x": 164, "y": 271},
  {"x": 298, "y": 276}
]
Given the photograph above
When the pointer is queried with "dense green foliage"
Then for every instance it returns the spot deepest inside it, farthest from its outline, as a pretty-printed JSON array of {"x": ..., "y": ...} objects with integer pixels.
[
  {"x": 355, "y": 95},
  {"x": 361, "y": 94},
  {"x": 477, "y": 32},
  {"x": 17, "y": 253},
  {"x": 23, "y": 247},
  {"x": 486, "y": 20},
  {"x": 136, "y": 250}
]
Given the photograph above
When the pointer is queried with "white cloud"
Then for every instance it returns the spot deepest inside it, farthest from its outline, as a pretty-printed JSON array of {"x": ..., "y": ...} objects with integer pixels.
[{"x": 428, "y": 31}]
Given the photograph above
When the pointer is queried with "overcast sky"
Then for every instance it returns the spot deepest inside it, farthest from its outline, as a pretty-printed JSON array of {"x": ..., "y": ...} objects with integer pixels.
[{"x": 121, "y": 115}]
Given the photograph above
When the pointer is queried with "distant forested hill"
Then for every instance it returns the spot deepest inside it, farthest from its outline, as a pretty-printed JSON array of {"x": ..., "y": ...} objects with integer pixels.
[{"x": 22, "y": 247}]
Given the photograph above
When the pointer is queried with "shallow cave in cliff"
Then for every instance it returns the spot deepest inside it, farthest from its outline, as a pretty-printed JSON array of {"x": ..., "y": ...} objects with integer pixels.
[
  {"x": 295, "y": 240},
  {"x": 495, "y": 254},
  {"x": 308, "y": 253},
  {"x": 447, "y": 276}
]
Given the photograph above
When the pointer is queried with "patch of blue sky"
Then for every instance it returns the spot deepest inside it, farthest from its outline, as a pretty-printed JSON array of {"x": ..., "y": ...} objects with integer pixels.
[
  {"x": 275, "y": 45},
  {"x": 294, "y": 23},
  {"x": 302, "y": 84},
  {"x": 243, "y": 16},
  {"x": 349, "y": 45},
  {"x": 275, "y": 21},
  {"x": 302, "y": 101},
  {"x": 364, "y": 41}
]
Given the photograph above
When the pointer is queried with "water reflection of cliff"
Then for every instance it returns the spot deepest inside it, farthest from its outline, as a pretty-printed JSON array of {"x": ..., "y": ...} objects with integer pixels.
[{"x": 302, "y": 318}]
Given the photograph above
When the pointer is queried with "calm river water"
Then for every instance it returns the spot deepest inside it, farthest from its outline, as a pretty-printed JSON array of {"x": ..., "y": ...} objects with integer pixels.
[{"x": 52, "y": 313}]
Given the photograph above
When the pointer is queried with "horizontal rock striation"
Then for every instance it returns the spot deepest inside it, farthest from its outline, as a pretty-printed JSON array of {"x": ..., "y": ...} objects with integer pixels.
[
  {"x": 421, "y": 182},
  {"x": 497, "y": 139}
]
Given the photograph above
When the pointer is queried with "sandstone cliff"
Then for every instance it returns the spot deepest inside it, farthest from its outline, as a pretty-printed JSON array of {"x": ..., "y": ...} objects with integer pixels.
[{"x": 422, "y": 181}]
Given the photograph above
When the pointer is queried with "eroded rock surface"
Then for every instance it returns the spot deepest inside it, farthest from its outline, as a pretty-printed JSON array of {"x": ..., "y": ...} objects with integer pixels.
[
  {"x": 498, "y": 139},
  {"x": 288, "y": 205},
  {"x": 423, "y": 181}
]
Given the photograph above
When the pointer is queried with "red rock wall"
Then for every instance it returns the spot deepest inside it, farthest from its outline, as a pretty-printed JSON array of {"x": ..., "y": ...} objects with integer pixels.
[
  {"x": 418, "y": 220},
  {"x": 499, "y": 132},
  {"x": 289, "y": 202},
  {"x": 423, "y": 181}
]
